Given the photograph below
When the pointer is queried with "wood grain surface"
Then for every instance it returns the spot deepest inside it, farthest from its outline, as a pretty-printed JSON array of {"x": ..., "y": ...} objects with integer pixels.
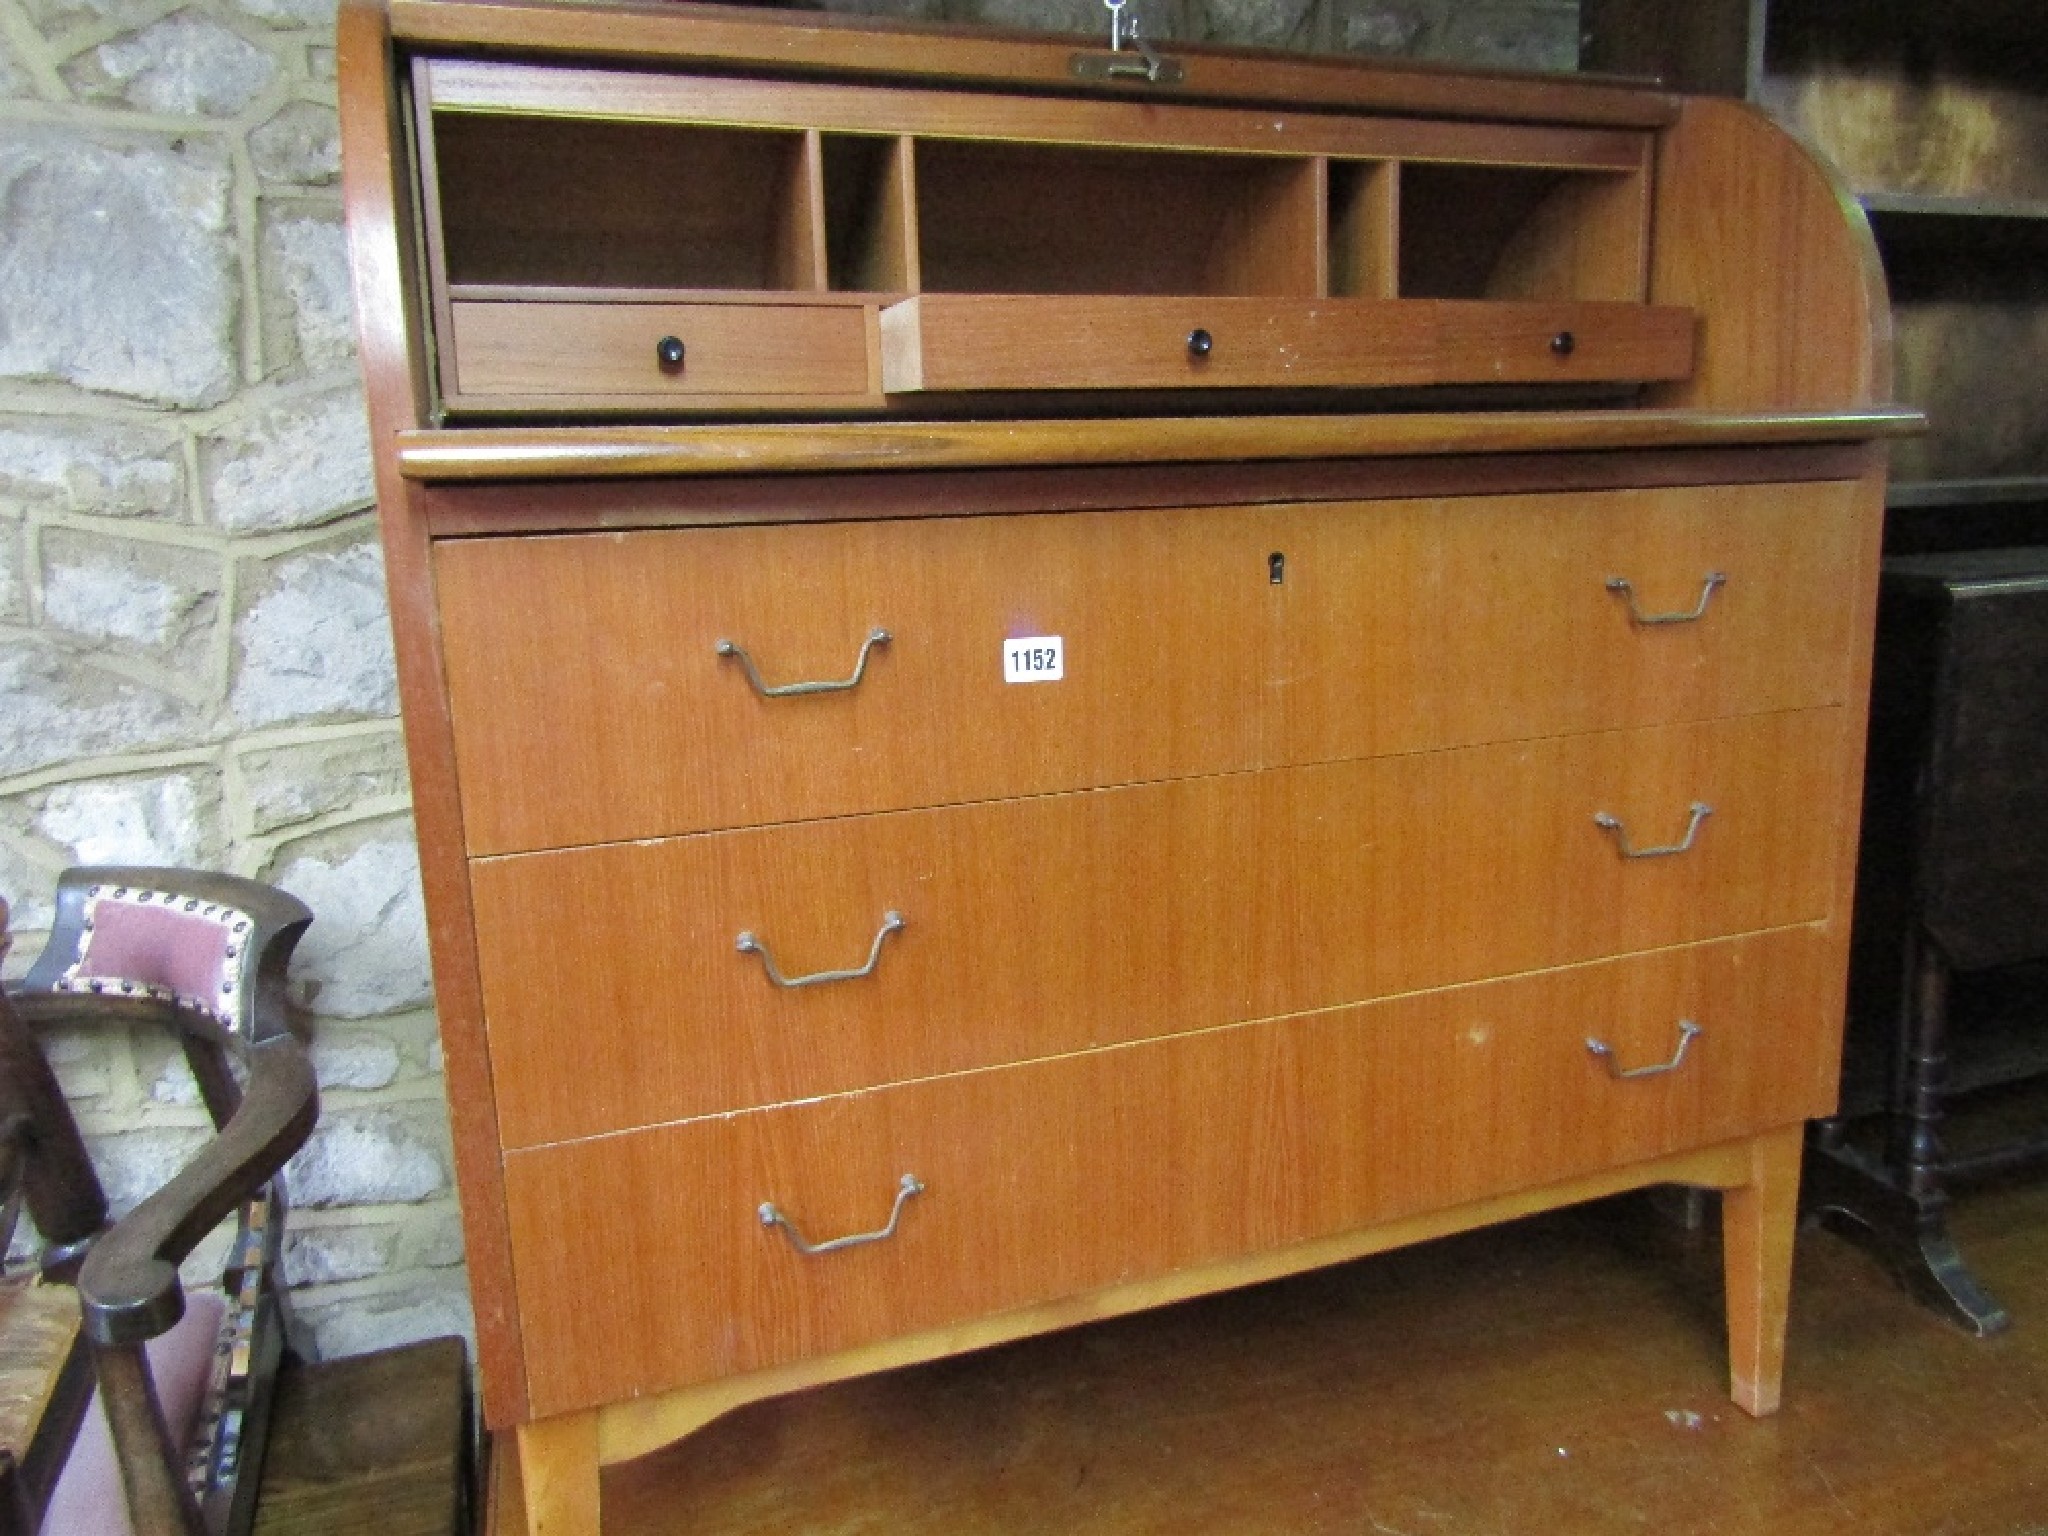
[
  {"x": 1059, "y": 923},
  {"x": 999, "y": 342},
  {"x": 753, "y": 38},
  {"x": 1072, "y": 1174},
  {"x": 598, "y": 654},
  {"x": 802, "y": 350},
  {"x": 1757, "y": 235},
  {"x": 471, "y": 85},
  {"x": 1549, "y": 1375},
  {"x": 642, "y": 450}
]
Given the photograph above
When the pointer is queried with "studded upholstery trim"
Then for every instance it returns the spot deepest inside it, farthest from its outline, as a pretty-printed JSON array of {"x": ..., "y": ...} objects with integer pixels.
[{"x": 163, "y": 945}]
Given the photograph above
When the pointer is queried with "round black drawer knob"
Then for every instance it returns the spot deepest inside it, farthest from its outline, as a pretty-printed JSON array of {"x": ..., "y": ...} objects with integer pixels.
[
  {"x": 1564, "y": 343},
  {"x": 669, "y": 352},
  {"x": 1200, "y": 343}
]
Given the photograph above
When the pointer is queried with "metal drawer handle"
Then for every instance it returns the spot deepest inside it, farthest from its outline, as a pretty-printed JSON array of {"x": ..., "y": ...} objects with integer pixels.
[
  {"x": 747, "y": 944},
  {"x": 1700, "y": 812},
  {"x": 790, "y": 690},
  {"x": 1686, "y": 1031},
  {"x": 907, "y": 1186},
  {"x": 1621, "y": 585}
]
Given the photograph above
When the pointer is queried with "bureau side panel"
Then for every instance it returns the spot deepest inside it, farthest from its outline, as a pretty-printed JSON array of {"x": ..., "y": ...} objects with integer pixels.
[
  {"x": 388, "y": 309},
  {"x": 1859, "y": 602},
  {"x": 1754, "y": 233},
  {"x": 1067, "y": 1176}
]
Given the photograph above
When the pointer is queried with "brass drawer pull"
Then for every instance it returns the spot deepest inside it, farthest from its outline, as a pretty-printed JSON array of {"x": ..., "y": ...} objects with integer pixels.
[
  {"x": 1620, "y": 584},
  {"x": 907, "y": 1186},
  {"x": 1686, "y": 1031},
  {"x": 747, "y": 944},
  {"x": 1700, "y": 812},
  {"x": 790, "y": 690}
]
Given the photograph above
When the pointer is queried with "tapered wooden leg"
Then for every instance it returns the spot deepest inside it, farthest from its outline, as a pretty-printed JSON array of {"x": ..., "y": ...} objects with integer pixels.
[
  {"x": 1758, "y": 1222},
  {"x": 558, "y": 1469}
]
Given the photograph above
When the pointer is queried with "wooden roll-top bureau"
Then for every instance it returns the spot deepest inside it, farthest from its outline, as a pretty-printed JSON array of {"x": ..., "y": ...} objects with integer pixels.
[{"x": 1043, "y": 681}]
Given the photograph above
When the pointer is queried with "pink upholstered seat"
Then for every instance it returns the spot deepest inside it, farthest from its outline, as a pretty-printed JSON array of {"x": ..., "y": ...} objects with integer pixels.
[{"x": 88, "y": 1499}]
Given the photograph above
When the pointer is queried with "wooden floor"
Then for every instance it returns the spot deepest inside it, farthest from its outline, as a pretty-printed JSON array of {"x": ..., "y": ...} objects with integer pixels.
[
  {"x": 369, "y": 1445},
  {"x": 1561, "y": 1377}
]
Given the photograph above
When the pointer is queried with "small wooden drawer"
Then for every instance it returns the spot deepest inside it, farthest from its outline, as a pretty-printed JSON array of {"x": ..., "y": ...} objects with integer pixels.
[
  {"x": 958, "y": 342},
  {"x": 699, "y": 353},
  {"x": 1192, "y": 641},
  {"x": 1032, "y": 928},
  {"x": 1063, "y": 1177}
]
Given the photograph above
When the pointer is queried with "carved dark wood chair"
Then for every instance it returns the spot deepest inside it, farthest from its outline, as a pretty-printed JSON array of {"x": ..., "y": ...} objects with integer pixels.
[
  {"x": 183, "y": 1380},
  {"x": 45, "y": 1373}
]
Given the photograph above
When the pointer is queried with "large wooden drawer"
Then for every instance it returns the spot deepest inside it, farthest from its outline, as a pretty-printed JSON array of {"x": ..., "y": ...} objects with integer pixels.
[
  {"x": 940, "y": 342},
  {"x": 1054, "y": 924},
  {"x": 765, "y": 351},
  {"x": 1066, "y": 1176},
  {"x": 592, "y": 701}
]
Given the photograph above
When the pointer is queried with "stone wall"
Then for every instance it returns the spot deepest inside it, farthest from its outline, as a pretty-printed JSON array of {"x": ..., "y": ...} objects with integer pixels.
[
  {"x": 195, "y": 663},
  {"x": 1514, "y": 34}
]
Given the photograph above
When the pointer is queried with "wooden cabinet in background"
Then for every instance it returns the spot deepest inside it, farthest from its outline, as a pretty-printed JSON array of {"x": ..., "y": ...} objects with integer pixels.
[
  {"x": 1935, "y": 113},
  {"x": 1033, "y": 698}
]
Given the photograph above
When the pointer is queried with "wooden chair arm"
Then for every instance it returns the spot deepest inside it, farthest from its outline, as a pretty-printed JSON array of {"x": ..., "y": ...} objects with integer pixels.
[{"x": 129, "y": 1286}]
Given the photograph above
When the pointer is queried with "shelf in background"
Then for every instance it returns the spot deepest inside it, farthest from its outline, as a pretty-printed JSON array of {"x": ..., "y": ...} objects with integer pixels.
[
  {"x": 2001, "y": 490},
  {"x": 1942, "y": 205}
]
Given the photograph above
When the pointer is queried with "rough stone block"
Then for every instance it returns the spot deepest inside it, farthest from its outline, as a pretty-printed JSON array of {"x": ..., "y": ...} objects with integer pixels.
[
  {"x": 300, "y": 146},
  {"x": 415, "y": 1034},
  {"x": 354, "y": 1059},
  {"x": 371, "y": 1157},
  {"x": 315, "y": 641},
  {"x": 28, "y": 882},
  {"x": 330, "y": 1255},
  {"x": 162, "y": 1065},
  {"x": 172, "y": 819},
  {"x": 209, "y": 1257},
  {"x": 118, "y": 266},
  {"x": 306, "y": 299},
  {"x": 362, "y": 1324},
  {"x": 313, "y": 15},
  {"x": 1156, "y": 18},
  {"x": 288, "y": 785},
  {"x": 135, "y": 1164},
  {"x": 91, "y": 467},
  {"x": 86, "y": 1068},
  {"x": 1255, "y": 23},
  {"x": 128, "y": 594},
  {"x": 1538, "y": 36},
  {"x": 63, "y": 709},
  {"x": 366, "y": 953},
  {"x": 13, "y": 564},
  {"x": 433, "y": 1241},
  {"x": 51, "y": 17},
  {"x": 295, "y": 466},
  {"x": 186, "y": 65},
  {"x": 1388, "y": 26},
  {"x": 14, "y": 80}
]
